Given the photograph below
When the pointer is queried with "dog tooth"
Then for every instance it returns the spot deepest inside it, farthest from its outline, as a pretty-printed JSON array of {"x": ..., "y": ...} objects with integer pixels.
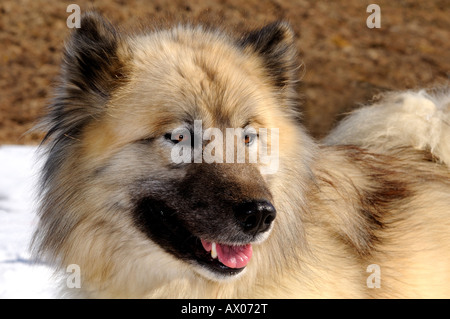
[{"x": 213, "y": 250}]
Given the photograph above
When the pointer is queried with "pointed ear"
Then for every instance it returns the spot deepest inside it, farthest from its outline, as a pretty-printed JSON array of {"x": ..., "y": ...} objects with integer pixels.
[
  {"x": 93, "y": 67},
  {"x": 92, "y": 62},
  {"x": 275, "y": 44}
]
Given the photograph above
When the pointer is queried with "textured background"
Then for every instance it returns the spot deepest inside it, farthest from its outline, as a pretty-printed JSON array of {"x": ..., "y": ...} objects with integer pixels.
[{"x": 344, "y": 62}]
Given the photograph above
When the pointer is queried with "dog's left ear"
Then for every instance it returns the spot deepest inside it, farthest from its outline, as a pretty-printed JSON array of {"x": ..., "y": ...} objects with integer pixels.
[{"x": 275, "y": 44}]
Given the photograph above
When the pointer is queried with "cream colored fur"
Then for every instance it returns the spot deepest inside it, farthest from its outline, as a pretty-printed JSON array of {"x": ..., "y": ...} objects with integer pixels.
[
  {"x": 412, "y": 118},
  {"x": 376, "y": 191}
]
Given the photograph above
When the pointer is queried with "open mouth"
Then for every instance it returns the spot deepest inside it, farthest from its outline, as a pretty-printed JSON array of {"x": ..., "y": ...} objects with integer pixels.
[
  {"x": 223, "y": 259},
  {"x": 236, "y": 256},
  {"x": 162, "y": 225},
  {"x": 226, "y": 259}
]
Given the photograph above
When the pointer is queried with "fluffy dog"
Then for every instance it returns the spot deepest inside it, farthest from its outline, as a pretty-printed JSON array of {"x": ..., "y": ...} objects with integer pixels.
[{"x": 373, "y": 196}]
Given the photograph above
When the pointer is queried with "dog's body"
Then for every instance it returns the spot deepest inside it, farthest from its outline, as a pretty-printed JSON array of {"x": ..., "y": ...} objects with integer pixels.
[{"x": 139, "y": 225}]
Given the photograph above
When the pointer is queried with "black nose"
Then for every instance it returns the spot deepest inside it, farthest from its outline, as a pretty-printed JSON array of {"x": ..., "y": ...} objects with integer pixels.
[{"x": 255, "y": 216}]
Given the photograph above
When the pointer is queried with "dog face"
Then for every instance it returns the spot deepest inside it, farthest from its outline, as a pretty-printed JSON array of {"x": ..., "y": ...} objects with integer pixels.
[{"x": 129, "y": 105}]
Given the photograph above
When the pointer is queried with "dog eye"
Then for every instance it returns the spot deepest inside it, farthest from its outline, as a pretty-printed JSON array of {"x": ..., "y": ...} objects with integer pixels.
[
  {"x": 249, "y": 139},
  {"x": 176, "y": 138}
]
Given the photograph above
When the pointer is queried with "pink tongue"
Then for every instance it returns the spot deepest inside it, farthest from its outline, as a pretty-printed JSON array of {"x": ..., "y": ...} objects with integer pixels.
[{"x": 231, "y": 256}]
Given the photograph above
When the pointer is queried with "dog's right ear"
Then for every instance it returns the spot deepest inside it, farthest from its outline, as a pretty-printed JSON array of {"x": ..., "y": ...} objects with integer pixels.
[
  {"x": 92, "y": 62},
  {"x": 93, "y": 67}
]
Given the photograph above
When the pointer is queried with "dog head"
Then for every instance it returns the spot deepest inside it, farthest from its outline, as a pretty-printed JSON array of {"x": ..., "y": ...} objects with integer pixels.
[{"x": 128, "y": 132}]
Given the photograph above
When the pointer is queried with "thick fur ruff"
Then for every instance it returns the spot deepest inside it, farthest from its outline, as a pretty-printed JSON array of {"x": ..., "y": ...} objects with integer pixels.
[{"x": 375, "y": 193}]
